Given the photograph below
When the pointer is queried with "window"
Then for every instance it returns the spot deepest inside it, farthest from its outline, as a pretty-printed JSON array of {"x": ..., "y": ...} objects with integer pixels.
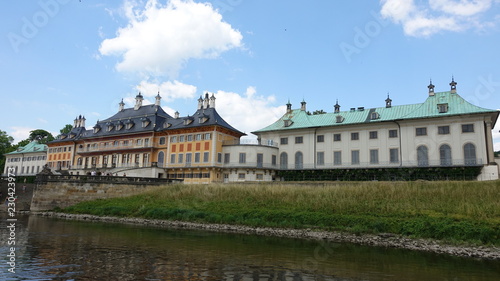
[
  {"x": 219, "y": 157},
  {"x": 443, "y": 108},
  {"x": 393, "y": 133},
  {"x": 373, "y": 135},
  {"x": 208, "y": 136},
  {"x": 173, "y": 139},
  {"x": 299, "y": 139},
  {"x": 443, "y": 130},
  {"x": 299, "y": 160},
  {"x": 241, "y": 176},
  {"x": 288, "y": 123},
  {"x": 468, "y": 128},
  {"x": 374, "y": 116},
  {"x": 161, "y": 158},
  {"x": 180, "y": 158},
  {"x": 226, "y": 158},
  {"x": 339, "y": 119},
  {"x": 373, "y": 156},
  {"x": 470, "y": 154},
  {"x": 260, "y": 160},
  {"x": 421, "y": 131},
  {"x": 162, "y": 140},
  {"x": 273, "y": 160},
  {"x": 243, "y": 158},
  {"x": 189, "y": 137},
  {"x": 320, "y": 138},
  {"x": 445, "y": 155},
  {"x": 189, "y": 157},
  {"x": 283, "y": 140},
  {"x": 354, "y": 136},
  {"x": 284, "y": 160},
  {"x": 205, "y": 156},
  {"x": 355, "y": 157},
  {"x": 337, "y": 158},
  {"x": 146, "y": 142},
  {"x": 137, "y": 142},
  {"x": 260, "y": 177},
  {"x": 198, "y": 137},
  {"x": 181, "y": 138},
  {"x": 337, "y": 137},
  {"x": 422, "y": 156},
  {"x": 320, "y": 158},
  {"x": 197, "y": 157},
  {"x": 394, "y": 155}
]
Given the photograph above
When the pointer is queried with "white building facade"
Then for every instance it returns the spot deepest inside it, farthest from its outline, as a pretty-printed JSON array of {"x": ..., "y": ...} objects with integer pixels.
[
  {"x": 26, "y": 161},
  {"x": 444, "y": 135}
]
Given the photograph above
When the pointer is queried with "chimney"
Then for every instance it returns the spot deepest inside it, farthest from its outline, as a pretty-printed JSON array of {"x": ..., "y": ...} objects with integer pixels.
[
  {"x": 431, "y": 89},
  {"x": 158, "y": 98},
  {"x": 176, "y": 115},
  {"x": 453, "y": 86},
  {"x": 205, "y": 101},
  {"x": 200, "y": 103},
  {"x": 336, "y": 107},
  {"x": 121, "y": 106},
  {"x": 138, "y": 101},
  {"x": 212, "y": 101}
]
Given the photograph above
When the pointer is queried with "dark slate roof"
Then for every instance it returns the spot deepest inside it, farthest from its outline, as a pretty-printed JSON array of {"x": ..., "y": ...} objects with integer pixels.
[
  {"x": 74, "y": 134},
  {"x": 201, "y": 118},
  {"x": 129, "y": 121}
]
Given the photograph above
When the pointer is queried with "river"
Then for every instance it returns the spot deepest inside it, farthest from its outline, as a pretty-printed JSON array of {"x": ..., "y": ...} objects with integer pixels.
[{"x": 56, "y": 249}]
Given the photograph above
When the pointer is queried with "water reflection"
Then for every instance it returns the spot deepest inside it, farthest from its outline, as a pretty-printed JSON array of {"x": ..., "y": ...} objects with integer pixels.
[{"x": 70, "y": 250}]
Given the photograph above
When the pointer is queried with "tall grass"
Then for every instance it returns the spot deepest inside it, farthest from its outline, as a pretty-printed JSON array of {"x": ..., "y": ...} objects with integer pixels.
[{"x": 454, "y": 211}]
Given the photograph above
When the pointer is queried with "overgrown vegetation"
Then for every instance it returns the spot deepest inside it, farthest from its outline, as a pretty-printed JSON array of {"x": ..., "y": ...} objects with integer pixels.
[{"x": 451, "y": 211}]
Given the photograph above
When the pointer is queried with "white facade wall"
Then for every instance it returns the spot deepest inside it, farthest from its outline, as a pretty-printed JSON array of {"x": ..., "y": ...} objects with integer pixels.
[
  {"x": 25, "y": 164},
  {"x": 251, "y": 169}
]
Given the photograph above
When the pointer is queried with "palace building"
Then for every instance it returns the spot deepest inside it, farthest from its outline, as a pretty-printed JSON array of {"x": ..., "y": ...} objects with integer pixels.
[
  {"x": 26, "y": 160},
  {"x": 444, "y": 137}
]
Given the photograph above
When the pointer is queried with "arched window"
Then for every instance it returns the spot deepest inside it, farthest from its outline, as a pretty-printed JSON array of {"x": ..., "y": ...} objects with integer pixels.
[
  {"x": 470, "y": 154},
  {"x": 422, "y": 156},
  {"x": 284, "y": 160},
  {"x": 445, "y": 155},
  {"x": 162, "y": 140},
  {"x": 79, "y": 161},
  {"x": 299, "y": 160},
  {"x": 161, "y": 158}
]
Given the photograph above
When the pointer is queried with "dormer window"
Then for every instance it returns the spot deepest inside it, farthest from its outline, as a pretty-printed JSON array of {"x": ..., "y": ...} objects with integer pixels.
[
  {"x": 72, "y": 136},
  {"x": 288, "y": 123},
  {"x": 145, "y": 122},
  {"x": 97, "y": 128},
  {"x": 109, "y": 126},
  {"x": 166, "y": 125},
  {"x": 62, "y": 137},
  {"x": 374, "y": 116},
  {"x": 129, "y": 124},
  {"x": 339, "y": 119},
  {"x": 119, "y": 125},
  {"x": 443, "y": 107},
  {"x": 203, "y": 119},
  {"x": 188, "y": 120}
]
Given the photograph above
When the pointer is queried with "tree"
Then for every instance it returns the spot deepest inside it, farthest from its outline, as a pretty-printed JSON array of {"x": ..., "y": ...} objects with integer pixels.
[
  {"x": 41, "y": 136},
  {"x": 317, "y": 112},
  {"x": 66, "y": 129},
  {"x": 5, "y": 147}
]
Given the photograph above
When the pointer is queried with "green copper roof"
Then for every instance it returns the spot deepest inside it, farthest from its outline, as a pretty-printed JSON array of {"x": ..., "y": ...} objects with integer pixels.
[
  {"x": 455, "y": 104},
  {"x": 31, "y": 147}
]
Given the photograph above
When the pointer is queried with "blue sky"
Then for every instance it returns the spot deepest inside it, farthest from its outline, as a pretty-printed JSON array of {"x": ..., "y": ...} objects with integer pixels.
[{"x": 63, "y": 58}]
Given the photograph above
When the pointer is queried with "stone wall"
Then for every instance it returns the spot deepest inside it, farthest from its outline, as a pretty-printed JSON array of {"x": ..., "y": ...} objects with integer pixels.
[{"x": 48, "y": 195}]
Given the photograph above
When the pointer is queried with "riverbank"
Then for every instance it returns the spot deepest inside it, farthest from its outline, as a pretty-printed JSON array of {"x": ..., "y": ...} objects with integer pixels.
[
  {"x": 379, "y": 240},
  {"x": 455, "y": 213}
]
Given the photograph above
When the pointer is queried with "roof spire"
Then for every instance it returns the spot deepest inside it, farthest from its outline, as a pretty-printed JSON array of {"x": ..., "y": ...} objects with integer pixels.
[
  {"x": 288, "y": 107},
  {"x": 158, "y": 98},
  {"x": 431, "y": 88},
  {"x": 336, "y": 107},
  {"x": 388, "y": 101}
]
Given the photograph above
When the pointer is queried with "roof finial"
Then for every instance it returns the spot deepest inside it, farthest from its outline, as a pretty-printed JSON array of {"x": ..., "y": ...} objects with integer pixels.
[{"x": 453, "y": 85}]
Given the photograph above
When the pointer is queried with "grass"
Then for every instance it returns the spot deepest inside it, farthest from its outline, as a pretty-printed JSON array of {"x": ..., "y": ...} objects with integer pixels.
[{"x": 450, "y": 211}]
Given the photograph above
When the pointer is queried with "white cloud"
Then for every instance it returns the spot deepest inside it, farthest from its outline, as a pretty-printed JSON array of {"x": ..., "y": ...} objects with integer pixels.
[
  {"x": 425, "y": 18},
  {"x": 160, "y": 39},
  {"x": 20, "y": 133},
  {"x": 169, "y": 91},
  {"x": 248, "y": 112}
]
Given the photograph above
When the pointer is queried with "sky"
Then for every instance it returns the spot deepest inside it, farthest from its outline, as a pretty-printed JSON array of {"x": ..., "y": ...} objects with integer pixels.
[{"x": 63, "y": 58}]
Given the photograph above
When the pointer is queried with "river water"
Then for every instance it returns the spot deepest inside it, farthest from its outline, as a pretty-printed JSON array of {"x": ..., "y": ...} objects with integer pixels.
[{"x": 54, "y": 249}]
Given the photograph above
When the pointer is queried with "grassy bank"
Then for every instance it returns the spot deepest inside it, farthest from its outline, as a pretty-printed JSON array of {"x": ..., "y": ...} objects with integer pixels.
[{"x": 450, "y": 211}]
